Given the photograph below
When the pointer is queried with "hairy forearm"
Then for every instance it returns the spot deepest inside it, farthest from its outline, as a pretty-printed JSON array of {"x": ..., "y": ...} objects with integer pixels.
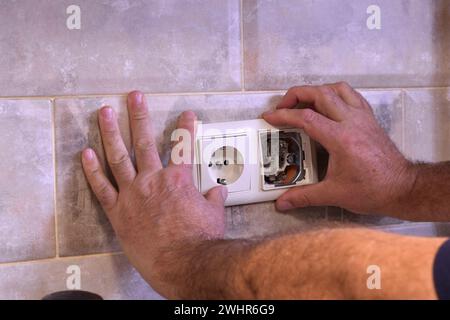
[
  {"x": 212, "y": 269},
  {"x": 428, "y": 198},
  {"x": 325, "y": 264}
]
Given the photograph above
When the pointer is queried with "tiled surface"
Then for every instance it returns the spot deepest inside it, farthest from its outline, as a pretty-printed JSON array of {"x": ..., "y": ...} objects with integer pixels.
[
  {"x": 296, "y": 42},
  {"x": 427, "y": 124},
  {"x": 369, "y": 220},
  {"x": 190, "y": 46},
  {"x": 27, "y": 229},
  {"x": 110, "y": 276},
  {"x": 157, "y": 46},
  {"x": 388, "y": 109},
  {"x": 262, "y": 219},
  {"x": 82, "y": 226},
  {"x": 420, "y": 229}
]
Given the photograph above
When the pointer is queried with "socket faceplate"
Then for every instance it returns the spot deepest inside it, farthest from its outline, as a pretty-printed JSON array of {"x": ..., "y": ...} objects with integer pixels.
[{"x": 253, "y": 159}]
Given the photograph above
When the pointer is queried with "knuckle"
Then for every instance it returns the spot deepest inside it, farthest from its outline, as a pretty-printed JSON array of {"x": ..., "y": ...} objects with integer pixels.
[
  {"x": 326, "y": 91},
  {"x": 308, "y": 116},
  {"x": 178, "y": 178},
  {"x": 109, "y": 132},
  {"x": 119, "y": 160},
  {"x": 283, "y": 113},
  {"x": 93, "y": 173},
  {"x": 139, "y": 115},
  {"x": 111, "y": 137},
  {"x": 104, "y": 196},
  {"x": 299, "y": 198},
  {"x": 343, "y": 85},
  {"x": 144, "y": 144},
  {"x": 293, "y": 89},
  {"x": 305, "y": 201},
  {"x": 143, "y": 185}
]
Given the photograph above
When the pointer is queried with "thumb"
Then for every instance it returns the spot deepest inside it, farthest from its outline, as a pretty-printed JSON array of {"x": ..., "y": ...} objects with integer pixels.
[
  {"x": 217, "y": 195},
  {"x": 304, "y": 196}
]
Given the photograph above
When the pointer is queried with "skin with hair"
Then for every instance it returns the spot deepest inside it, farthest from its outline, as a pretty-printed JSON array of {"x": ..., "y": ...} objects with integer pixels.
[{"x": 173, "y": 235}]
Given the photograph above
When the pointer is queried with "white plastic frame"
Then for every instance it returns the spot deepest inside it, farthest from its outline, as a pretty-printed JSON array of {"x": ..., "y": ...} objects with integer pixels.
[{"x": 244, "y": 136}]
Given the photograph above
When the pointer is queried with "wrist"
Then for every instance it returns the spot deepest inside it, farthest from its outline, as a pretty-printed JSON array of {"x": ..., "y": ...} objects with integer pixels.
[{"x": 403, "y": 184}]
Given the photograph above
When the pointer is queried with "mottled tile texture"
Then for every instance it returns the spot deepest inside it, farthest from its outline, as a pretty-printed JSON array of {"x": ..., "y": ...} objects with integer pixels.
[
  {"x": 261, "y": 219},
  {"x": 296, "y": 42},
  {"x": 388, "y": 109},
  {"x": 427, "y": 124},
  {"x": 82, "y": 226},
  {"x": 110, "y": 276},
  {"x": 157, "y": 46},
  {"x": 27, "y": 228}
]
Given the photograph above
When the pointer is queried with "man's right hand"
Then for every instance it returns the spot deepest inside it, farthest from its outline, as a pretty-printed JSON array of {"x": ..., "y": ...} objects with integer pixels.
[{"x": 366, "y": 172}]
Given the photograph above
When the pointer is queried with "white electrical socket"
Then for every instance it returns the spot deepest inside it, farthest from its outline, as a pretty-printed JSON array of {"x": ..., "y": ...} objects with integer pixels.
[{"x": 254, "y": 160}]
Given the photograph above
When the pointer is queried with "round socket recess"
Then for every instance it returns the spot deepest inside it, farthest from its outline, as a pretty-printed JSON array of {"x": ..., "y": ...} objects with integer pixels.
[{"x": 226, "y": 165}]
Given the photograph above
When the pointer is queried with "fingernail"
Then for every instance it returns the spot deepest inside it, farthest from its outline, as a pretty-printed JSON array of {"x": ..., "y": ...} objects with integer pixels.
[
  {"x": 267, "y": 113},
  {"x": 189, "y": 115},
  {"x": 138, "y": 97},
  {"x": 284, "y": 205},
  {"x": 106, "y": 113},
  {"x": 88, "y": 154},
  {"x": 224, "y": 192}
]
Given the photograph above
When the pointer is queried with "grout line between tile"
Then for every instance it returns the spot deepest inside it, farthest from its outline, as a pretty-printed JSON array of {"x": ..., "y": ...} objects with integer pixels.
[
  {"x": 55, "y": 208},
  {"x": 241, "y": 23},
  {"x": 57, "y": 259},
  {"x": 198, "y": 93}
]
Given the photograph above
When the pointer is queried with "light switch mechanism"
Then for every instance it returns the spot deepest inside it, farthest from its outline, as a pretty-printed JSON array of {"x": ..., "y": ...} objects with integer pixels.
[{"x": 254, "y": 160}]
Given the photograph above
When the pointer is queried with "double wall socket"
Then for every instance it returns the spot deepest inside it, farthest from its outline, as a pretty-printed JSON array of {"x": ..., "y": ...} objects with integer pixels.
[{"x": 254, "y": 160}]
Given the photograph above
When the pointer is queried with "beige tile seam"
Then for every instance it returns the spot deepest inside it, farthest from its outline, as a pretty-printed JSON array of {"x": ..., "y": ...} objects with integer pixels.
[
  {"x": 406, "y": 224},
  {"x": 199, "y": 93},
  {"x": 55, "y": 204},
  {"x": 59, "y": 259},
  {"x": 241, "y": 28}
]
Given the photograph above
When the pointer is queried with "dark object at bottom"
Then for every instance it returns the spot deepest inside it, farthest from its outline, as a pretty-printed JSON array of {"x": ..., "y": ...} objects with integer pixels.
[
  {"x": 72, "y": 295},
  {"x": 441, "y": 271}
]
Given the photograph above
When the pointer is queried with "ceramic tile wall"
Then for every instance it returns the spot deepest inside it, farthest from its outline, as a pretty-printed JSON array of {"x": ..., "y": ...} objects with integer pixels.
[
  {"x": 226, "y": 60},
  {"x": 318, "y": 41},
  {"x": 158, "y": 46}
]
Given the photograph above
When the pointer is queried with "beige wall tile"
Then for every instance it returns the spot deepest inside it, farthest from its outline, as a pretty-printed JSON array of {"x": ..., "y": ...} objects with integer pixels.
[
  {"x": 427, "y": 124},
  {"x": 388, "y": 109},
  {"x": 369, "y": 220},
  {"x": 157, "y": 46},
  {"x": 82, "y": 226},
  {"x": 419, "y": 229},
  {"x": 110, "y": 276},
  {"x": 27, "y": 229},
  {"x": 295, "y": 42},
  {"x": 262, "y": 219}
]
